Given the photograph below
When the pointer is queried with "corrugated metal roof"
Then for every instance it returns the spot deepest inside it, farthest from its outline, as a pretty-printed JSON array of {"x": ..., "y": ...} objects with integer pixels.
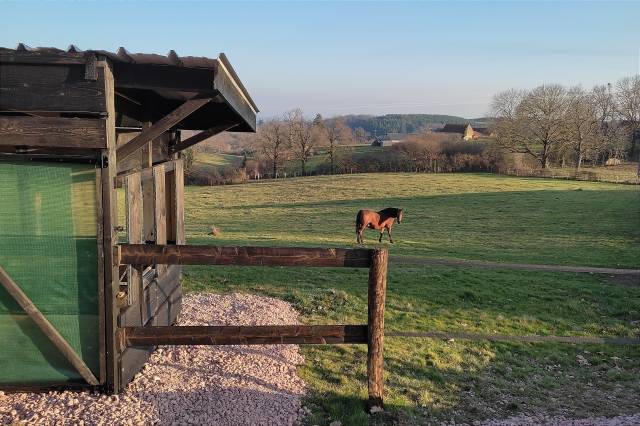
[{"x": 123, "y": 55}]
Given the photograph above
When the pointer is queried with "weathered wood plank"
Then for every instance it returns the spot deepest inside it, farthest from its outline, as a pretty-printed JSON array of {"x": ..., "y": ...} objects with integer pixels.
[
  {"x": 136, "y": 254},
  {"x": 55, "y": 132},
  {"x": 161, "y": 126},
  {"x": 243, "y": 335},
  {"x": 170, "y": 193},
  {"x": 45, "y": 326},
  {"x": 160, "y": 210},
  {"x": 375, "y": 336},
  {"x": 148, "y": 205},
  {"x": 180, "y": 236},
  {"x": 60, "y": 88},
  {"x": 160, "y": 205},
  {"x": 133, "y": 197},
  {"x": 234, "y": 96}
]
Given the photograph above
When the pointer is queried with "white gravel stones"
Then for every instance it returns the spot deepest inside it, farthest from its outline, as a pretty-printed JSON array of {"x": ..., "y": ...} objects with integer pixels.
[{"x": 200, "y": 385}]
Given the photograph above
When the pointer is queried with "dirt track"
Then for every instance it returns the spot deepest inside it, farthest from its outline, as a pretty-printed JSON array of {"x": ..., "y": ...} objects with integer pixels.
[{"x": 409, "y": 260}]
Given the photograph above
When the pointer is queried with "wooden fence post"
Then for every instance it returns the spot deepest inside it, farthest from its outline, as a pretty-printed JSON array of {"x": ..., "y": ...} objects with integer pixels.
[{"x": 375, "y": 329}]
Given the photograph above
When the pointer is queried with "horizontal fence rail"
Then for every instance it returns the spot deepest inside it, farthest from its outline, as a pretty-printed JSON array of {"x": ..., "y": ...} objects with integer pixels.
[
  {"x": 243, "y": 335},
  {"x": 376, "y": 260},
  {"x": 600, "y": 340},
  {"x": 146, "y": 254}
]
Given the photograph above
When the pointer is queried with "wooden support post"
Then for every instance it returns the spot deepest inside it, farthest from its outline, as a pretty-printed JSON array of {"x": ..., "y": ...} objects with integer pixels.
[
  {"x": 110, "y": 222},
  {"x": 375, "y": 338},
  {"x": 47, "y": 329}
]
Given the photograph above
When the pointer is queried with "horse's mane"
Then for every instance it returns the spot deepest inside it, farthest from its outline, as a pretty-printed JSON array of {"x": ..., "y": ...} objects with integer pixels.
[{"x": 389, "y": 211}]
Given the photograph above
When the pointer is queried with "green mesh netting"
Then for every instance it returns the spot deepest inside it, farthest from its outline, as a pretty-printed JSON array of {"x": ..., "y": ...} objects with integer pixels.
[{"x": 48, "y": 245}]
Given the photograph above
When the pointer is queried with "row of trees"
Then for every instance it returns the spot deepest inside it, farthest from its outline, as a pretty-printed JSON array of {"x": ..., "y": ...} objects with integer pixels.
[
  {"x": 398, "y": 123},
  {"x": 295, "y": 138},
  {"x": 552, "y": 122}
]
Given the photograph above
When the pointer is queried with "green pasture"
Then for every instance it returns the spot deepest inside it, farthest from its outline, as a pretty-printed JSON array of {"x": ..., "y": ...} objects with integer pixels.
[
  {"x": 205, "y": 162},
  {"x": 467, "y": 216}
]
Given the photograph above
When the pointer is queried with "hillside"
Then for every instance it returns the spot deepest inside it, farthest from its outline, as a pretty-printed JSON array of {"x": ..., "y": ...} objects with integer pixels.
[{"x": 402, "y": 123}]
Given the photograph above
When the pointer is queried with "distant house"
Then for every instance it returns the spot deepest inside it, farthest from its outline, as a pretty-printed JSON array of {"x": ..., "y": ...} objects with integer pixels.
[
  {"x": 377, "y": 142},
  {"x": 466, "y": 131}
]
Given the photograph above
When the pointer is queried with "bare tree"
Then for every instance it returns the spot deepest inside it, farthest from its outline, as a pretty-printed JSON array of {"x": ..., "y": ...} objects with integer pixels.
[
  {"x": 507, "y": 126},
  {"x": 360, "y": 135},
  {"x": 335, "y": 133},
  {"x": 628, "y": 100},
  {"x": 531, "y": 122},
  {"x": 581, "y": 123},
  {"x": 301, "y": 137},
  {"x": 273, "y": 143},
  {"x": 611, "y": 138}
]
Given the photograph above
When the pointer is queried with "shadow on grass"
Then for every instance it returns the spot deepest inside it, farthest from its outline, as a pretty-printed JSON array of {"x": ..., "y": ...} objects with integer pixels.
[
  {"x": 490, "y": 381},
  {"x": 435, "y": 380}
]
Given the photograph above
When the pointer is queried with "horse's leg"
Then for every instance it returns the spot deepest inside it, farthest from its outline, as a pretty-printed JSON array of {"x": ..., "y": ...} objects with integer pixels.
[
  {"x": 381, "y": 234},
  {"x": 389, "y": 233}
]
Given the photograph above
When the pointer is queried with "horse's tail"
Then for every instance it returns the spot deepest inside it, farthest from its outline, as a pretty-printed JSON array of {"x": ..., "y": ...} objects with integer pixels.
[{"x": 359, "y": 220}]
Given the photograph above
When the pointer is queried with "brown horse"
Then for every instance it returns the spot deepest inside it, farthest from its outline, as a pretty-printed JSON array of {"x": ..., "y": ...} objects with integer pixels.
[{"x": 377, "y": 220}]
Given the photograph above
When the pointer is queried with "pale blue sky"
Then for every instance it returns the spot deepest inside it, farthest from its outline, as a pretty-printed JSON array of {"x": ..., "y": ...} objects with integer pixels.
[{"x": 359, "y": 57}]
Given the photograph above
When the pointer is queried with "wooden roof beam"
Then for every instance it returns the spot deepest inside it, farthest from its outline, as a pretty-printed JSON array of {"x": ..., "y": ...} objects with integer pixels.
[
  {"x": 206, "y": 134},
  {"x": 161, "y": 126}
]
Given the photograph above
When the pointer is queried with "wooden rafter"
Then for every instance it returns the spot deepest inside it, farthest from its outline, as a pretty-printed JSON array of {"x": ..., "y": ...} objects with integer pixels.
[
  {"x": 49, "y": 330},
  {"x": 189, "y": 142},
  {"x": 161, "y": 126}
]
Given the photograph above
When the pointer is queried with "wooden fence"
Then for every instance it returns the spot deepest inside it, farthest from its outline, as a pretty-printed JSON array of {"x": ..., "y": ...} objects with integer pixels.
[{"x": 371, "y": 333}]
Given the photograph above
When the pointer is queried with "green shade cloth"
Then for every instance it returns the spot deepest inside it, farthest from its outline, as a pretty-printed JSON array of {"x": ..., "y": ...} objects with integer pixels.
[{"x": 48, "y": 245}]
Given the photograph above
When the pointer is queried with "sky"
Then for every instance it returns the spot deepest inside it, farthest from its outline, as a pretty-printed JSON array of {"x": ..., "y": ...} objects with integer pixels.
[{"x": 375, "y": 58}]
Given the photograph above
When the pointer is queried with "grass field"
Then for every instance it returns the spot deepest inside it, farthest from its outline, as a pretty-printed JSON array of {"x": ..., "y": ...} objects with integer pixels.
[
  {"x": 205, "y": 162},
  {"x": 484, "y": 217}
]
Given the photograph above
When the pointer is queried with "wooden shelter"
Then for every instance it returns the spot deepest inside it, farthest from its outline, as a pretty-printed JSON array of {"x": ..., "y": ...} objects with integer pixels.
[{"x": 84, "y": 295}]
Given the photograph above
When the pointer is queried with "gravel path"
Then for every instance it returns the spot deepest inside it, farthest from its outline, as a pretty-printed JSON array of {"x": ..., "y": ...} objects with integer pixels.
[{"x": 225, "y": 385}]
